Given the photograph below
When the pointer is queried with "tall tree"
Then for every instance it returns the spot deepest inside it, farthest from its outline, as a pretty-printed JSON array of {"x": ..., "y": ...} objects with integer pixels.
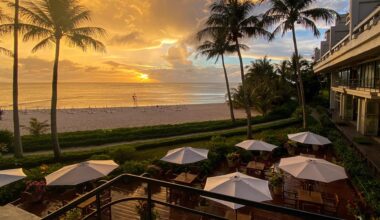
[
  {"x": 55, "y": 20},
  {"x": 214, "y": 49},
  {"x": 9, "y": 28},
  {"x": 235, "y": 18},
  {"x": 286, "y": 14}
]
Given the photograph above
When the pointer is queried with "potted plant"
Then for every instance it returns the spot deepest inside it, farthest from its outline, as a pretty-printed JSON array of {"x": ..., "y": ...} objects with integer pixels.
[
  {"x": 36, "y": 190},
  {"x": 276, "y": 181},
  {"x": 142, "y": 211},
  {"x": 233, "y": 159},
  {"x": 354, "y": 209}
]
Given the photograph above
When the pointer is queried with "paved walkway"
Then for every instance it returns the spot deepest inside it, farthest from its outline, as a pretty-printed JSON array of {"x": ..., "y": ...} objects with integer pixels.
[
  {"x": 205, "y": 134},
  {"x": 369, "y": 152}
]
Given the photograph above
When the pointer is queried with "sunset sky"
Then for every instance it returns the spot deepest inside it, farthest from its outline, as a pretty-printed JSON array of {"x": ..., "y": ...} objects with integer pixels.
[{"x": 150, "y": 41}]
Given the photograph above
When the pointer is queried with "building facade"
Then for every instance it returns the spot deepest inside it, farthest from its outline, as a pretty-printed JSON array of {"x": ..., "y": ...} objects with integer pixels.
[{"x": 350, "y": 55}]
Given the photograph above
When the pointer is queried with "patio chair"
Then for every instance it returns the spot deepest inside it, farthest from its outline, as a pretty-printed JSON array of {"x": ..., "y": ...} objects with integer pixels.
[
  {"x": 170, "y": 174},
  {"x": 330, "y": 203},
  {"x": 290, "y": 199}
]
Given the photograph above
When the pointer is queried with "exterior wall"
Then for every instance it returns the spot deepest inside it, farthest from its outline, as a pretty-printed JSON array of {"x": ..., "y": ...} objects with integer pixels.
[
  {"x": 360, "y": 9},
  {"x": 339, "y": 31},
  {"x": 324, "y": 47},
  {"x": 317, "y": 54}
]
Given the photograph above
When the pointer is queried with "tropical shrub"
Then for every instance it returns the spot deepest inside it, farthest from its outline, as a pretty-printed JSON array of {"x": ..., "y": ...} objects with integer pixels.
[
  {"x": 36, "y": 128},
  {"x": 120, "y": 155},
  {"x": 135, "y": 167},
  {"x": 6, "y": 140}
]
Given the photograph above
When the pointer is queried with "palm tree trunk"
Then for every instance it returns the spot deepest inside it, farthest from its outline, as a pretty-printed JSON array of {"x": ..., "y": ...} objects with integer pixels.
[
  {"x": 228, "y": 91},
  {"x": 54, "y": 130},
  {"x": 299, "y": 78},
  {"x": 18, "y": 151},
  {"x": 245, "y": 92},
  {"x": 298, "y": 89}
]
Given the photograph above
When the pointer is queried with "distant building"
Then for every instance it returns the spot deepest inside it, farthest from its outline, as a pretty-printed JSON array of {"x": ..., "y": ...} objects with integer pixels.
[{"x": 350, "y": 54}]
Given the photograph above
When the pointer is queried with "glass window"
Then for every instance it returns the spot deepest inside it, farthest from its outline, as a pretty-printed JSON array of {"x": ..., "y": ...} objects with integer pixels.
[{"x": 377, "y": 75}]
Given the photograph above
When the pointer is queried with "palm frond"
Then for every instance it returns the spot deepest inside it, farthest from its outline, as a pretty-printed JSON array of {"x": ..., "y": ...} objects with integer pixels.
[
  {"x": 84, "y": 42},
  {"x": 35, "y": 15},
  {"x": 89, "y": 31},
  {"x": 33, "y": 32},
  {"x": 324, "y": 14},
  {"x": 309, "y": 24},
  {"x": 47, "y": 42},
  {"x": 6, "y": 51}
]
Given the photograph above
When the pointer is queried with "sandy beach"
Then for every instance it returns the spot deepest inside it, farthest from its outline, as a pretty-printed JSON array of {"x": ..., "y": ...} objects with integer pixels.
[{"x": 108, "y": 118}]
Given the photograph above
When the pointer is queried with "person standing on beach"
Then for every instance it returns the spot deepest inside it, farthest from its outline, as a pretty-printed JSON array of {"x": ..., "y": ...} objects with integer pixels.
[{"x": 134, "y": 97}]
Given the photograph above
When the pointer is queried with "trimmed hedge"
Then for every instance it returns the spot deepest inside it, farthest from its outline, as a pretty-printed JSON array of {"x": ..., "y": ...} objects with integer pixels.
[
  {"x": 99, "y": 137},
  {"x": 33, "y": 161}
]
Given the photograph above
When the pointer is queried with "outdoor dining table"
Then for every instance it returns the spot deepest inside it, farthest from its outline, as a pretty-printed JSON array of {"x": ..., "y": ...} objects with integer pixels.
[
  {"x": 310, "y": 197},
  {"x": 255, "y": 166},
  {"x": 186, "y": 178},
  {"x": 84, "y": 206}
]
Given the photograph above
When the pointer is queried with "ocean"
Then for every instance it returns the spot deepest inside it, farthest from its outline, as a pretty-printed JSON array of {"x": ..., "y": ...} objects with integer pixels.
[{"x": 100, "y": 95}]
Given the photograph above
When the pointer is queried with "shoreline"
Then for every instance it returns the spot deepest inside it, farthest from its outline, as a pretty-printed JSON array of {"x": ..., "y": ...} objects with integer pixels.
[{"x": 82, "y": 119}]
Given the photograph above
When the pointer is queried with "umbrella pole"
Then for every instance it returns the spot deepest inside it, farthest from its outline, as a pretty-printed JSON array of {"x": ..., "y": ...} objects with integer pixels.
[{"x": 236, "y": 214}]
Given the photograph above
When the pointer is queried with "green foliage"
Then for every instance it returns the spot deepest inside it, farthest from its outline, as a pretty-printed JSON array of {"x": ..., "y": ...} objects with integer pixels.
[
  {"x": 135, "y": 167},
  {"x": 36, "y": 128},
  {"x": 120, "y": 155},
  {"x": 11, "y": 192},
  {"x": 276, "y": 180},
  {"x": 298, "y": 112},
  {"x": 99, "y": 137},
  {"x": 6, "y": 139},
  {"x": 265, "y": 88},
  {"x": 74, "y": 214},
  {"x": 101, "y": 157}
]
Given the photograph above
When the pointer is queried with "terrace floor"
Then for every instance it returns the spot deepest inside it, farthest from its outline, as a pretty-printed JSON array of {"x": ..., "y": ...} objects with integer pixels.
[{"x": 127, "y": 210}]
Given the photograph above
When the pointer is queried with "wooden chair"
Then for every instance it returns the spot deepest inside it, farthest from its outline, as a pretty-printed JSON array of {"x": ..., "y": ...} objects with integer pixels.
[
  {"x": 290, "y": 199},
  {"x": 330, "y": 203}
]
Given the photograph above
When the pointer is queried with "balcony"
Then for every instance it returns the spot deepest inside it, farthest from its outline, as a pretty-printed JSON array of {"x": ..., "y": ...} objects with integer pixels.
[
  {"x": 357, "y": 88},
  {"x": 364, "y": 42}
]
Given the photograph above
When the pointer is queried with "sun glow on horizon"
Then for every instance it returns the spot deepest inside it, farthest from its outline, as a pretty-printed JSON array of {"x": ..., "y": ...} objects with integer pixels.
[{"x": 143, "y": 77}]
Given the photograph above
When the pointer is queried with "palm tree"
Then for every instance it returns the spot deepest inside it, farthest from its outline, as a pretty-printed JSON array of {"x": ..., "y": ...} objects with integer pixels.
[
  {"x": 216, "y": 48},
  {"x": 235, "y": 18},
  {"x": 52, "y": 21},
  {"x": 288, "y": 13},
  {"x": 8, "y": 28}
]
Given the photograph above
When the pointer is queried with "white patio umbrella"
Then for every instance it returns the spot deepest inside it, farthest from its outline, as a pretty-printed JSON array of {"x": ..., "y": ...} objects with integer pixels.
[
  {"x": 309, "y": 138},
  {"x": 10, "y": 176},
  {"x": 256, "y": 145},
  {"x": 238, "y": 185},
  {"x": 80, "y": 172},
  {"x": 312, "y": 169},
  {"x": 185, "y": 155}
]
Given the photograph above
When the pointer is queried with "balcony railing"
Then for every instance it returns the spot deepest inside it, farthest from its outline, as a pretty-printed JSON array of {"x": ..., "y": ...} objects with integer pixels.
[
  {"x": 364, "y": 25},
  {"x": 358, "y": 85},
  {"x": 150, "y": 201}
]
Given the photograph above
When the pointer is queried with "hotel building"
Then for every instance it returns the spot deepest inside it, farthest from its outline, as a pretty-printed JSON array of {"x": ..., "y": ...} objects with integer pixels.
[{"x": 350, "y": 55}]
